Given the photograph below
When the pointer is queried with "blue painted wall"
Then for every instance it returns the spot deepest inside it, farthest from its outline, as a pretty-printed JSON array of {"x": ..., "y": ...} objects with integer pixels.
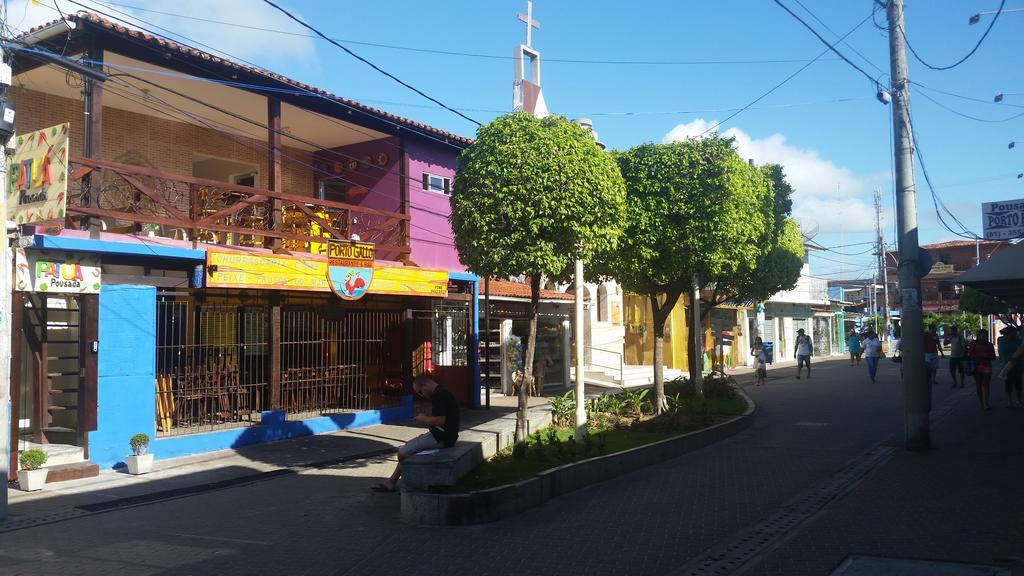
[
  {"x": 274, "y": 427},
  {"x": 126, "y": 371}
]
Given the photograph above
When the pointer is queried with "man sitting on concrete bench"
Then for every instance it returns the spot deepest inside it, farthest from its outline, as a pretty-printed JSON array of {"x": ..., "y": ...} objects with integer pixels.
[{"x": 442, "y": 426}]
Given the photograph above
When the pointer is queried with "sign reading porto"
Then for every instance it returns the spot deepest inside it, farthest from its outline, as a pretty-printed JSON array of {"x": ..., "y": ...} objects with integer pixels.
[
  {"x": 37, "y": 176},
  {"x": 349, "y": 268},
  {"x": 1003, "y": 220}
]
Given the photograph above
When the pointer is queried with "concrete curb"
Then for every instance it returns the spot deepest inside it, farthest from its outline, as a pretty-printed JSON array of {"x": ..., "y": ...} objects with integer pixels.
[{"x": 428, "y": 509}]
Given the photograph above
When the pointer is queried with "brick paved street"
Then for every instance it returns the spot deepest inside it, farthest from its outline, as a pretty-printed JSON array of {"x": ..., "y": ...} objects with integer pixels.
[{"x": 962, "y": 501}]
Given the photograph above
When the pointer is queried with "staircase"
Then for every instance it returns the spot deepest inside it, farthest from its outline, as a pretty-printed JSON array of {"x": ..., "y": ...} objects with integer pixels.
[
  {"x": 64, "y": 462},
  {"x": 632, "y": 376}
]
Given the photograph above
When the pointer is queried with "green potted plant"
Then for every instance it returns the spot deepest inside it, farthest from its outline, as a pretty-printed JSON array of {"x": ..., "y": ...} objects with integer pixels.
[
  {"x": 139, "y": 462},
  {"x": 32, "y": 475}
]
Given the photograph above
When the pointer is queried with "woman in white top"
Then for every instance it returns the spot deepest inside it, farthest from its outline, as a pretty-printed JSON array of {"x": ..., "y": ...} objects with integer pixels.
[{"x": 872, "y": 353}]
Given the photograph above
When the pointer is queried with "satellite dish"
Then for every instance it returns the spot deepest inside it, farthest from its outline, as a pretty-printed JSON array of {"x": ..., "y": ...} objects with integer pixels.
[{"x": 809, "y": 230}]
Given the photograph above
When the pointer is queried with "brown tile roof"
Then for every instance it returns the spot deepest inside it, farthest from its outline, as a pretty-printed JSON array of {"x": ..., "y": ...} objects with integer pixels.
[
  {"x": 961, "y": 244},
  {"x": 508, "y": 289},
  {"x": 156, "y": 41}
]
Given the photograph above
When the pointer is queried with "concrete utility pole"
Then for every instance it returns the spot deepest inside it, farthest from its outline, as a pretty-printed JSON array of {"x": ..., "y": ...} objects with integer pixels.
[
  {"x": 881, "y": 264},
  {"x": 916, "y": 391},
  {"x": 698, "y": 340},
  {"x": 6, "y": 285}
]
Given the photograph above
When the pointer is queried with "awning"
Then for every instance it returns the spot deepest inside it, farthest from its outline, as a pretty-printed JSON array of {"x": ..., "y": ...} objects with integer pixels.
[{"x": 1001, "y": 276}]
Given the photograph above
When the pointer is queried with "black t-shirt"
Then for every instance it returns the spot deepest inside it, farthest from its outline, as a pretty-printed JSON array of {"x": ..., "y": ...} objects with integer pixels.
[{"x": 443, "y": 403}]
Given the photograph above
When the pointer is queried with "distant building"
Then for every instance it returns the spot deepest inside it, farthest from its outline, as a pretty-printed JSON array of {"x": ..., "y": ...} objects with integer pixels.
[{"x": 939, "y": 289}]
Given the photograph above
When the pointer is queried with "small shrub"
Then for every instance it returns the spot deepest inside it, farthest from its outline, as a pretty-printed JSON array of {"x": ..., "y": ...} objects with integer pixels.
[
  {"x": 634, "y": 402},
  {"x": 519, "y": 451},
  {"x": 139, "y": 444},
  {"x": 720, "y": 386},
  {"x": 563, "y": 409},
  {"x": 680, "y": 386},
  {"x": 32, "y": 459}
]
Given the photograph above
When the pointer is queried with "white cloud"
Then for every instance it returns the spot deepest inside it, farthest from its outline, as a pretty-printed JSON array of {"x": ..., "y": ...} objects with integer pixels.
[
  {"x": 825, "y": 195},
  {"x": 263, "y": 48}
]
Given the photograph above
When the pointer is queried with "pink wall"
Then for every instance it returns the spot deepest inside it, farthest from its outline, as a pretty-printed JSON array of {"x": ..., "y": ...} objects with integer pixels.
[{"x": 433, "y": 244}]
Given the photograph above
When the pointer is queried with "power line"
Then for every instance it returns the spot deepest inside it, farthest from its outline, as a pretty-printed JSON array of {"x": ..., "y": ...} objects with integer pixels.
[
  {"x": 827, "y": 43},
  {"x": 988, "y": 101},
  {"x": 968, "y": 55},
  {"x": 965, "y": 115},
  {"x": 780, "y": 84},
  {"x": 371, "y": 64},
  {"x": 469, "y": 54},
  {"x": 827, "y": 27}
]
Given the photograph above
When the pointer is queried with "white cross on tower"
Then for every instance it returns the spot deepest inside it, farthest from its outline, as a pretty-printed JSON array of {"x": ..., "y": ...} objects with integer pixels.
[{"x": 529, "y": 21}]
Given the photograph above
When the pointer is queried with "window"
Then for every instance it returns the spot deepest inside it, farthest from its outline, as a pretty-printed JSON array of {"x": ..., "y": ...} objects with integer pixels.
[
  {"x": 439, "y": 184},
  {"x": 602, "y": 303},
  {"x": 334, "y": 189}
]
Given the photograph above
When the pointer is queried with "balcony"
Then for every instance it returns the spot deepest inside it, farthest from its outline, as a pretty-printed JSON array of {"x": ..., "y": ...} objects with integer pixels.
[{"x": 145, "y": 201}]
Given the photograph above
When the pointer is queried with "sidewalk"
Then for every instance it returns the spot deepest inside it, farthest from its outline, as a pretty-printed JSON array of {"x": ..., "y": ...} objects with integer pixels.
[
  {"x": 179, "y": 477},
  {"x": 959, "y": 502}
]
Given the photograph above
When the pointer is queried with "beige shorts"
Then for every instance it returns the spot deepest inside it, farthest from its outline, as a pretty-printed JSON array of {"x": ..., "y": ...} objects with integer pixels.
[{"x": 419, "y": 444}]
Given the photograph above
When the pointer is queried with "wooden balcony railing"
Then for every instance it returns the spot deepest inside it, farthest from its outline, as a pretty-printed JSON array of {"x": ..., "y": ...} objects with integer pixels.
[{"x": 140, "y": 200}]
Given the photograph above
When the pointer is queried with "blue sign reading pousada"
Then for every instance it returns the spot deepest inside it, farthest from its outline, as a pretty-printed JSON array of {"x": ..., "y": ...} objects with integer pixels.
[{"x": 1003, "y": 220}]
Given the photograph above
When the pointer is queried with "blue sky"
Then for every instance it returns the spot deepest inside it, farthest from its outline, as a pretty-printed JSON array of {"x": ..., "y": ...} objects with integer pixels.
[{"x": 824, "y": 125}]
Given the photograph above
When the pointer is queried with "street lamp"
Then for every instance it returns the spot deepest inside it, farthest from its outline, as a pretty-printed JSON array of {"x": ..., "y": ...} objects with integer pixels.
[
  {"x": 999, "y": 97},
  {"x": 974, "y": 19}
]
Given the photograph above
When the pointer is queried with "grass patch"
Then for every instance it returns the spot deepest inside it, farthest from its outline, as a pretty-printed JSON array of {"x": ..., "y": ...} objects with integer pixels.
[
  {"x": 504, "y": 468},
  {"x": 617, "y": 423}
]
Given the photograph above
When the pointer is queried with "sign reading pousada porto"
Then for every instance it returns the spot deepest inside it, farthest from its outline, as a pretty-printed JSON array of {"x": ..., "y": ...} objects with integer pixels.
[
  {"x": 38, "y": 176},
  {"x": 349, "y": 268},
  {"x": 67, "y": 272}
]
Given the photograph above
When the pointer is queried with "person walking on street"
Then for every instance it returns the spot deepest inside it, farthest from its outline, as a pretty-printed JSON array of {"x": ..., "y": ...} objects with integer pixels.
[
  {"x": 982, "y": 353},
  {"x": 932, "y": 351},
  {"x": 760, "y": 362},
  {"x": 1013, "y": 368},
  {"x": 853, "y": 344},
  {"x": 872, "y": 353},
  {"x": 803, "y": 350},
  {"x": 957, "y": 353}
]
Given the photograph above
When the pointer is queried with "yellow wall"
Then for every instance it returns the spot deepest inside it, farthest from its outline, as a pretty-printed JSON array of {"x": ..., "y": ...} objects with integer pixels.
[{"x": 639, "y": 346}]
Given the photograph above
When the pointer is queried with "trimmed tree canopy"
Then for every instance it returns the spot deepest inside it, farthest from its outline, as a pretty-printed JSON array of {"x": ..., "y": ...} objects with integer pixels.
[
  {"x": 532, "y": 195},
  {"x": 695, "y": 209}
]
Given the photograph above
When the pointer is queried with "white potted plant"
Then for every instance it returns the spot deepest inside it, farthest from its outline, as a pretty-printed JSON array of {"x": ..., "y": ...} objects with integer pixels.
[
  {"x": 32, "y": 475},
  {"x": 139, "y": 462}
]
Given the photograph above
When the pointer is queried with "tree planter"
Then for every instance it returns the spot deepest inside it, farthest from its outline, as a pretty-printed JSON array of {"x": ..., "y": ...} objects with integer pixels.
[
  {"x": 139, "y": 464},
  {"x": 447, "y": 509},
  {"x": 32, "y": 480}
]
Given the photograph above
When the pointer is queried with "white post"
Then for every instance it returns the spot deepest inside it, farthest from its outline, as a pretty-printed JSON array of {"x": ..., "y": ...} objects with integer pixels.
[
  {"x": 698, "y": 340},
  {"x": 567, "y": 346},
  {"x": 506, "y": 369},
  {"x": 6, "y": 285},
  {"x": 581, "y": 410}
]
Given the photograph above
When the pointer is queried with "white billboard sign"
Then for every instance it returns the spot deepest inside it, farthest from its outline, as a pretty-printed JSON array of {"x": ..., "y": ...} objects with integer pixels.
[{"x": 1003, "y": 220}]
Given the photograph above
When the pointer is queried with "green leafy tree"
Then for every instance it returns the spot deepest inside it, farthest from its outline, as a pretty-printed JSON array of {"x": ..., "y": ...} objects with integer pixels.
[
  {"x": 780, "y": 250},
  {"x": 972, "y": 300},
  {"x": 531, "y": 196},
  {"x": 692, "y": 215}
]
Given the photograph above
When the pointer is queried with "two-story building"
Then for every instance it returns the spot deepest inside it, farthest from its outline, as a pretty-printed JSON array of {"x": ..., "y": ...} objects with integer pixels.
[
  {"x": 940, "y": 291},
  {"x": 198, "y": 200}
]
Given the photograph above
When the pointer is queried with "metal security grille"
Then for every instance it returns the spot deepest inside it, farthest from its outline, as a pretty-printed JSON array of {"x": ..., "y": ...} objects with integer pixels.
[
  {"x": 337, "y": 360},
  {"x": 450, "y": 332},
  {"x": 211, "y": 366}
]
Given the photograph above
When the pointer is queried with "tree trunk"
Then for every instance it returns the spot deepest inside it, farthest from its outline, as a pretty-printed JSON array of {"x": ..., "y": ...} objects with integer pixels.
[
  {"x": 528, "y": 376},
  {"x": 660, "y": 315}
]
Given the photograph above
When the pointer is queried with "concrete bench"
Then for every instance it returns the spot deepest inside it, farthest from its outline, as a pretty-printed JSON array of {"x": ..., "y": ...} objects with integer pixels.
[{"x": 476, "y": 444}]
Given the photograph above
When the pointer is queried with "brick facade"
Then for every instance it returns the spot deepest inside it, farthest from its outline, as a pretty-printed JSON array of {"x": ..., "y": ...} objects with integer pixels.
[{"x": 161, "y": 143}]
